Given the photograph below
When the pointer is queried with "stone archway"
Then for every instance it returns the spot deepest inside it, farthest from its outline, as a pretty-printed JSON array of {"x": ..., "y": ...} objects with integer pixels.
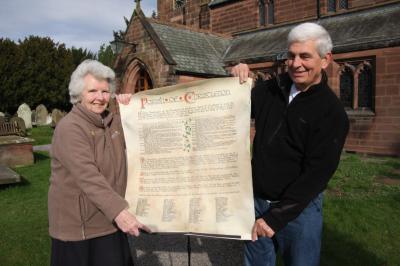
[{"x": 136, "y": 78}]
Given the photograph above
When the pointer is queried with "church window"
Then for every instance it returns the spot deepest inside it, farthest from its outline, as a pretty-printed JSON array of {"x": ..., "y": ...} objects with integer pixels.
[
  {"x": 331, "y": 5},
  {"x": 357, "y": 83},
  {"x": 179, "y": 3},
  {"x": 261, "y": 12},
  {"x": 347, "y": 87},
  {"x": 343, "y": 4},
  {"x": 204, "y": 17},
  {"x": 365, "y": 87},
  {"x": 266, "y": 11},
  {"x": 271, "y": 11},
  {"x": 334, "y": 5}
]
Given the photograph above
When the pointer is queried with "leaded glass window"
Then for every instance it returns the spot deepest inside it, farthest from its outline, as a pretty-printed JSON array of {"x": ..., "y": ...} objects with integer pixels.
[
  {"x": 331, "y": 5},
  {"x": 365, "y": 88},
  {"x": 271, "y": 10},
  {"x": 261, "y": 12},
  {"x": 343, "y": 4},
  {"x": 357, "y": 83},
  {"x": 347, "y": 88}
]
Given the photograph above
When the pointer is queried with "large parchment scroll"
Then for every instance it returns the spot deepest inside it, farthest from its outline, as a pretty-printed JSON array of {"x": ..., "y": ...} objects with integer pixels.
[{"x": 188, "y": 151}]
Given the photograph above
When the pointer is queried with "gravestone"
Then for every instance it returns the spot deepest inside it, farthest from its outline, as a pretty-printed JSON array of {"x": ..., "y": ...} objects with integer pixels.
[
  {"x": 33, "y": 117},
  {"x": 56, "y": 116},
  {"x": 21, "y": 124},
  {"x": 24, "y": 112},
  {"x": 1, "y": 114},
  {"x": 41, "y": 115},
  {"x": 49, "y": 119}
]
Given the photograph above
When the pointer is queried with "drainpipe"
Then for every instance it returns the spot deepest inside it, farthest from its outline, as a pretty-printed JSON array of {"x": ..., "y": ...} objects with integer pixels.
[{"x": 318, "y": 9}]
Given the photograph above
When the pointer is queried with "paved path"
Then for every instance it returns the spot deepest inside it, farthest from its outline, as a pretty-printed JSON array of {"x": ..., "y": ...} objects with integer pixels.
[{"x": 172, "y": 250}]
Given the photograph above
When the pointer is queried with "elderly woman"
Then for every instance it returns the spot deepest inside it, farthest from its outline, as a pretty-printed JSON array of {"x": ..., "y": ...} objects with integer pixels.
[{"x": 88, "y": 215}]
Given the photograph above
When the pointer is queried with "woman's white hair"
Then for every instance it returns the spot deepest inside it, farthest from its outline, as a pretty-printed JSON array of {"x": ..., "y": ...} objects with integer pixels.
[
  {"x": 312, "y": 31},
  {"x": 93, "y": 67}
]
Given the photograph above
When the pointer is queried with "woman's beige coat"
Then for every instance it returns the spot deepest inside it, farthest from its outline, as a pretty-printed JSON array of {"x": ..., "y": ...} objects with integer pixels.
[{"x": 88, "y": 175}]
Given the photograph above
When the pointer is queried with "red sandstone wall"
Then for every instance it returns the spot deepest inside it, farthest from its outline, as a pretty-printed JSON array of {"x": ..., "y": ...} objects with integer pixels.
[
  {"x": 189, "y": 16},
  {"x": 244, "y": 15},
  {"x": 294, "y": 10},
  {"x": 234, "y": 17},
  {"x": 379, "y": 134}
]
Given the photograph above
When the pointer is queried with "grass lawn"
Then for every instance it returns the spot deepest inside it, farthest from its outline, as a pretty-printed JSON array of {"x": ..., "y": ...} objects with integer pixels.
[
  {"x": 23, "y": 221},
  {"x": 41, "y": 134},
  {"x": 361, "y": 212}
]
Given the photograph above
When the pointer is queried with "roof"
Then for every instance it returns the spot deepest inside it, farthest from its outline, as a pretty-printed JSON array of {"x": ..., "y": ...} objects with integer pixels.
[
  {"x": 353, "y": 31},
  {"x": 193, "y": 52}
]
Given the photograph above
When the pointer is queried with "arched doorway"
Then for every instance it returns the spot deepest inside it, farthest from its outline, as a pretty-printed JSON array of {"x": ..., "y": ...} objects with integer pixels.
[
  {"x": 136, "y": 78},
  {"x": 144, "y": 81}
]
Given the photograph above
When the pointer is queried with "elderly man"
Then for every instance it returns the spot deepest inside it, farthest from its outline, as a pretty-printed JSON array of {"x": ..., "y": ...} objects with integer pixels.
[{"x": 301, "y": 127}]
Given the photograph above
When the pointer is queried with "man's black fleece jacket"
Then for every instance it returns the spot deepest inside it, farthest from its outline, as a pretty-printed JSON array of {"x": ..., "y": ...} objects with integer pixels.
[{"x": 297, "y": 146}]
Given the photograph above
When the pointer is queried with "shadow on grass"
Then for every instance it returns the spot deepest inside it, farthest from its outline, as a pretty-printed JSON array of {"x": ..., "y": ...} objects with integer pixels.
[
  {"x": 338, "y": 249},
  {"x": 393, "y": 172},
  {"x": 41, "y": 156},
  {"x": 24, "y": 182},
  {"x": 393, "y": 163}
]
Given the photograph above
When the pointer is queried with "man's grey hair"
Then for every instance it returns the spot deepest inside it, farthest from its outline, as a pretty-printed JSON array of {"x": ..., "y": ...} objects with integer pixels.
[
  {"x": 312, "y": 31},
  {"x": 93, "y": 67}
]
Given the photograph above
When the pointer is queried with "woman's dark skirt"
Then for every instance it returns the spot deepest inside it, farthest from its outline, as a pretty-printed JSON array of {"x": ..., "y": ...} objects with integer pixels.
[{"x": 109, "y": 250}]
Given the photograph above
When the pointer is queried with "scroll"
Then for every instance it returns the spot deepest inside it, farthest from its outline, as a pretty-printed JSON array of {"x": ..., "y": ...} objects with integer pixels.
[{"x": 188, "y": 152}]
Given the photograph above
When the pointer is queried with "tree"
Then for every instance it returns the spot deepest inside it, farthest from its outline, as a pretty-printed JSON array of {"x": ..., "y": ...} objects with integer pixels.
[
  {"x": 79, "y": 55},
  {"x": 10, "y": 64},
  {"x": 46, "y": 69},
  {"x": 35, "y": 70},
  {"x": 106, "y": 55}
]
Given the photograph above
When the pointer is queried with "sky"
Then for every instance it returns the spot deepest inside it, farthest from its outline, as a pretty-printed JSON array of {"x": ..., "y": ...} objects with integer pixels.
[{"x": 81, "y": 23}]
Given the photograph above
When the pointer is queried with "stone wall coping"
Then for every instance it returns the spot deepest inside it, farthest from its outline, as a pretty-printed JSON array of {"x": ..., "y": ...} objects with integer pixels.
[{"x": 7, "y": 140}]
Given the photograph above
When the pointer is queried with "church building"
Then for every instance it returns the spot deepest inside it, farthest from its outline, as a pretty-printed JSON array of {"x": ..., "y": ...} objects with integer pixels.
[{"x": 189, "y": 40}]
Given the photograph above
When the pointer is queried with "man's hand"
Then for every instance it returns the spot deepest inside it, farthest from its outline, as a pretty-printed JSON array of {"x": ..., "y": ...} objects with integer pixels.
[
  {"x": 261, "y": 228},
  {"x": 242, "y": 71},
  {"x": 129, "y": 224},
  {"x": 124, "y": 98}
]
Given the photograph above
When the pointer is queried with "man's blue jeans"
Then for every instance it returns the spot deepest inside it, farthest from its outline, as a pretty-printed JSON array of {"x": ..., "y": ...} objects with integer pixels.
[{"x": 299, "y": 242}]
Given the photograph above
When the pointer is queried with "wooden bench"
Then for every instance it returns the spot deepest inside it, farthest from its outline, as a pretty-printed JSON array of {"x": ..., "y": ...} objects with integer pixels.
[{"x": 10, "y": 128}]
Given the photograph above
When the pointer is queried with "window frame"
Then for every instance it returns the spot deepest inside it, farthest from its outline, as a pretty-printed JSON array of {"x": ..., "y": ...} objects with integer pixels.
[
  {"x": 333, "y": 6},
  {"x": 358, "y": 63}
]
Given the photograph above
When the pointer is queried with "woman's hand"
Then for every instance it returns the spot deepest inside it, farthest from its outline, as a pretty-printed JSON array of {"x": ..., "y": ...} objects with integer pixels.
[
  {"x": 124, "y": 98},
  {"x": 128, "y": 223}
]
